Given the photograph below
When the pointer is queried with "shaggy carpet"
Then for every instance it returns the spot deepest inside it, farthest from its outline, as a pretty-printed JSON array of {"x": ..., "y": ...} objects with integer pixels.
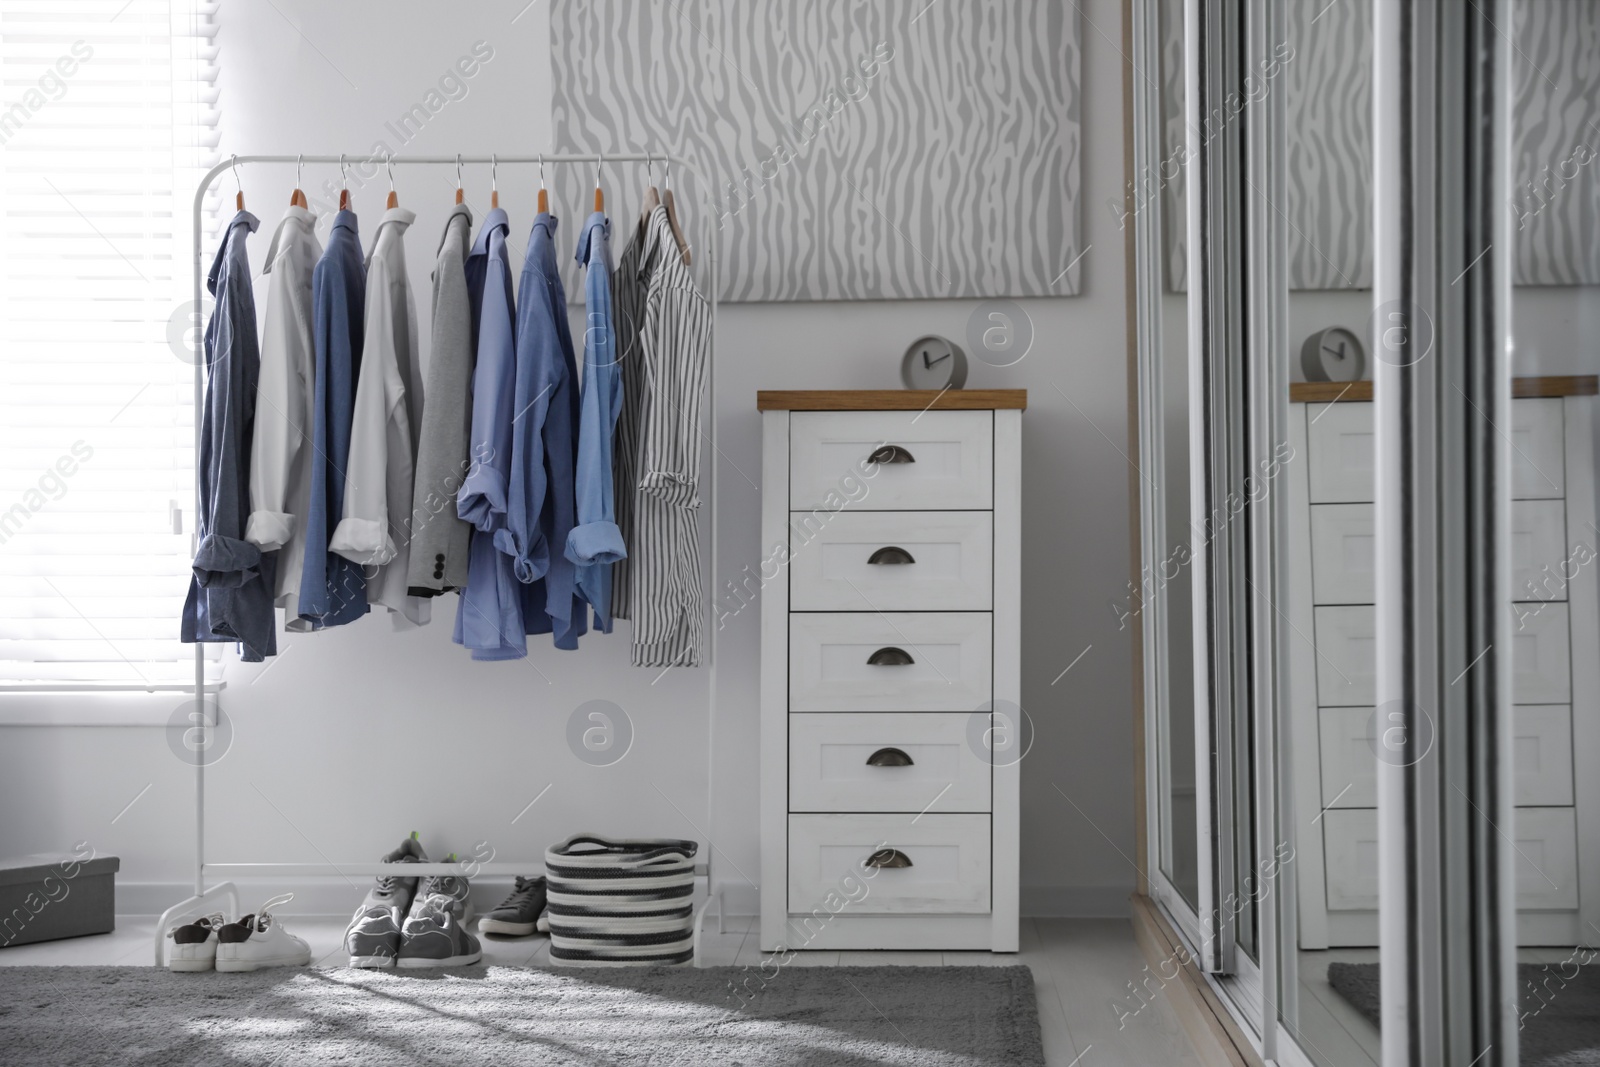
[
  {"x": 812, "y": 1016},
  {"x": 1560, "y": 1009}
]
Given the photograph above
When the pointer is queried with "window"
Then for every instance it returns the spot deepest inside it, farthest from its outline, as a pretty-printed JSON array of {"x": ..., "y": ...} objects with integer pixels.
[{"x": 108, "y": 117}]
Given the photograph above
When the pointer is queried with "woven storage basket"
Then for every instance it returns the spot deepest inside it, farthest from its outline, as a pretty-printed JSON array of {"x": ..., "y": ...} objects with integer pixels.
[{"x": 620, "y": 903}]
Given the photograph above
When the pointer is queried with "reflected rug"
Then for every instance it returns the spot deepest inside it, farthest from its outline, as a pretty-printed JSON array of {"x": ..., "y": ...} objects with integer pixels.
[
  {"x": 966, "y": 1016},
  {"x": 1560, "y": 1009}
]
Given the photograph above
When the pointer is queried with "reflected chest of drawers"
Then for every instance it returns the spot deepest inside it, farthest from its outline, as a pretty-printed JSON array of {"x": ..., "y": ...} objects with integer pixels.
[{"x": 891, "y": 731}]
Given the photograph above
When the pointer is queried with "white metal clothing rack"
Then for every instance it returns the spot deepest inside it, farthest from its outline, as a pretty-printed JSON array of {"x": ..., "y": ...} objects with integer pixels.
[{"x": 207, "y": 897}]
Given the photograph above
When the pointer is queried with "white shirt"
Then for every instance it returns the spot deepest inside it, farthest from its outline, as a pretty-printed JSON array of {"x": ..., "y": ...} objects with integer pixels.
[
  {"x": 375, "y": 530},
  {"x": 280, "y": 453}
]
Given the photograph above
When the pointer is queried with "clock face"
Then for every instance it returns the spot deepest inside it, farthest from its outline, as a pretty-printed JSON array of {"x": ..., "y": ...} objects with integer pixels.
[
  {"x": 933, "y": 363},
  {"x": 1333, "y": 355}
]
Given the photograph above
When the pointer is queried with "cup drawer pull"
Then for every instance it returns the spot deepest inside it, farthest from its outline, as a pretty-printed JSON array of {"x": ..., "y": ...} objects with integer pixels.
[
  {"x": 889, "y": 857},
  {"x": 891, "y": 454},
  {"x": 891, "y": 554},
  {"x": 889, "y": 757},
  {"x": 890, "y": 657}
]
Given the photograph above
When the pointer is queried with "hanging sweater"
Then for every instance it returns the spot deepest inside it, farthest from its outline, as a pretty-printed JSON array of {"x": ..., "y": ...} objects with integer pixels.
[
  {"x": 230, "y": 595},
  {"x": 375, "y": 530}
]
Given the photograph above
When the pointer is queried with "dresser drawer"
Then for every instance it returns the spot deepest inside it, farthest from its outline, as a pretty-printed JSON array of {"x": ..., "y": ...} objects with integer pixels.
[
  {"x": 941, "y": 460},
  {"x": 893, "y": 561},
  {"x": 1545, "y": 857},
  {"x": 1343, "y": 554},
  {"x": 894, "y": 661},
  {"x": 1538, "y": 452},
  {"x": 944, "y": 863},
  {"x": 886, "y": 762},
  {"x": 1541, "y": 754},
  {"x": 1539, "y": 554},
  {"x": 1340, "y": 439},
  {"x": 1541, "y": 656}
]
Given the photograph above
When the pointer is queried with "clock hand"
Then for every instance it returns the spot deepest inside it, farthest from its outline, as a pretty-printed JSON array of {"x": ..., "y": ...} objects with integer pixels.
[
  {"x": 928, "y": 363},
  {"x": 1337, "y": 353}
]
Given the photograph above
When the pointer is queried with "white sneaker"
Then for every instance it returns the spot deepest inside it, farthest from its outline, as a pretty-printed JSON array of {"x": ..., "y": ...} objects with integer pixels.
[
  {"x": 194, "y": 945},
  {"x": 258, "y": 941}
]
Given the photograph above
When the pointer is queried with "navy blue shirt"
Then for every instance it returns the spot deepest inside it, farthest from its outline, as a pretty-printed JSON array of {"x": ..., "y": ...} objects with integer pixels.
[
  {"x": 230, "y": 595},
  {"x": 333, "y": 590}
]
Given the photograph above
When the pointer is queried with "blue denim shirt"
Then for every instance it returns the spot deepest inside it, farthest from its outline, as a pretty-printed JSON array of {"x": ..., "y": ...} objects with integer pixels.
[
  {"x": 544, "y": 446},
  {"x": 489, "y": 615},
  {"x": 333, "y": 590},
  {"x": 230, "y": 595},
  {"x": 596, "y": 542}
]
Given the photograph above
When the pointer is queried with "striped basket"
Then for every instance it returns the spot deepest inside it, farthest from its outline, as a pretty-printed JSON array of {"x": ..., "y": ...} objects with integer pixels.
[{"x": 620, "y": 903}]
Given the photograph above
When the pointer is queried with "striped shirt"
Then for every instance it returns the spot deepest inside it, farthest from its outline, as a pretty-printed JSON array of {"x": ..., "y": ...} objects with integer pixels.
[
  {"x": 666, "y": 596},
  {"x": 628, "y": 284}
]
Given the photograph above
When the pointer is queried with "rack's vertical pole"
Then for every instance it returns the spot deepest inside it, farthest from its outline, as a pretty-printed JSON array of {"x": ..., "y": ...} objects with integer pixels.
[
  {"x": 711, "y": 591},
  {"x": 199, "y": 649}
]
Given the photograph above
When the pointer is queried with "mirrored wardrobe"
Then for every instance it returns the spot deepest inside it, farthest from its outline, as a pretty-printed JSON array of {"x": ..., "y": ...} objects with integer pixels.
[{"x": 1255, "y": 214}]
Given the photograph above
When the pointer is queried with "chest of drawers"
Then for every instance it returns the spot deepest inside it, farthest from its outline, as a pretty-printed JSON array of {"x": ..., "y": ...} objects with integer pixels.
[
  {"x": 891, "y": 726},
  {"x": 1555, "y": 685}
]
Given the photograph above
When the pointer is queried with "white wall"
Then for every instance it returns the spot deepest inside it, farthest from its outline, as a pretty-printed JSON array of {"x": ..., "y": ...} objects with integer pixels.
[{"x": 352, "y": 737}]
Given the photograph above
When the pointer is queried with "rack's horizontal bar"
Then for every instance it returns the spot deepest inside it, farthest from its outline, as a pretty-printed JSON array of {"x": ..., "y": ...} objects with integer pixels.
[{"x": 372, "y": 869}]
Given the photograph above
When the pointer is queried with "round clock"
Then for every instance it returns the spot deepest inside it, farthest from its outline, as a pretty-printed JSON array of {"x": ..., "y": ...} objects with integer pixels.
[
  {"x": 1333, "y": 355},
  {"x": 934, "y": 362}
]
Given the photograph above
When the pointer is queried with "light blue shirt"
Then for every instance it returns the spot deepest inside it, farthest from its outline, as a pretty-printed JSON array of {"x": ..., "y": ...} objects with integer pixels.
[
  {"x": 595, "y": 543},
  {"x": 544, "y": 443},
  {"x": 489, "y": 616}
]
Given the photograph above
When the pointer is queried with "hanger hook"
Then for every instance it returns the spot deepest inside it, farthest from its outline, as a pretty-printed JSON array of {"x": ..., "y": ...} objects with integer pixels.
[
  {"x": 235, "y": 167},
  {"x": 388, "y": 165},
  {"x": 649, "y": 169},
  {"x": 666, "y": 180},
  {"x": 494, "y": 173},
  {"x": 541, "y": 170},
  {"x": 600, "y": 162},
  {"x": 343, "y": 178},
  {"x": 458, "y": 170},
  {"x": 299, "y": 169}
]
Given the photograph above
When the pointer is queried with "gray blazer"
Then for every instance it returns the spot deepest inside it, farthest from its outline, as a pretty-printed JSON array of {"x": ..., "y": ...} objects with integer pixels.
[{"x": 440, "y": 541}]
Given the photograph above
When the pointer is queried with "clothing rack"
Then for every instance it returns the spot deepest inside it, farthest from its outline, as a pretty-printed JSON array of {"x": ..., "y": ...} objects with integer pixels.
[{"x": 225, "y": 891}]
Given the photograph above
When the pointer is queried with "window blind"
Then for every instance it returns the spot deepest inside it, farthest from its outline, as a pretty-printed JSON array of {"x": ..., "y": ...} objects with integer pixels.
[{"x": 108, "y": 118}]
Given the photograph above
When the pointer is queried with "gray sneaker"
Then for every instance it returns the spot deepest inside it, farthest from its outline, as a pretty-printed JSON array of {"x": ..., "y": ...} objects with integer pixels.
[
  {"x": 373, "y": 937},
  {"x": 391, "y": 890},
  {"x": 518, "y": 915},
  {"x": 453, "y": 887},
  {"x": 433, "y": 937}
]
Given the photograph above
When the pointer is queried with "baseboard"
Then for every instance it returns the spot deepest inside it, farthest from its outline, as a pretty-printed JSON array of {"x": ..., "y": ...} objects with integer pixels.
[
  {"x": 1212, "y": 1032},
  {"x": 335, "y": 896},
  {"x": 1076, "y": 901}
]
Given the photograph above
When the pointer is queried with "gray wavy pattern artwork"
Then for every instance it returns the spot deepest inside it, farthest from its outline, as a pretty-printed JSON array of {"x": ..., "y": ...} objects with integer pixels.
[
  {"x": 856, "y": 151},
  {"x": 1555, "y": 150}
]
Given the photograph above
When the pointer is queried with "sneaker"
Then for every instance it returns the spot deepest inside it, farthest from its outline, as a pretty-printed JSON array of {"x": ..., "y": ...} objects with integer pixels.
[
  {"x": 194, "y": 945},
  {"x": 392, "y": 890},
  {"x": 258, "y": 941},
  {"x": 433, "y": 937},
  {"x": 451, "y": 886},
  {"x": 373, "y": 937},
  {"x": 518, "y": 914}
]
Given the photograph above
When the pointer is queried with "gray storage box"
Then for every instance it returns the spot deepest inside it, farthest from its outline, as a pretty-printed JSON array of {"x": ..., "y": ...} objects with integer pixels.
[{"x": 51, "y": 895}]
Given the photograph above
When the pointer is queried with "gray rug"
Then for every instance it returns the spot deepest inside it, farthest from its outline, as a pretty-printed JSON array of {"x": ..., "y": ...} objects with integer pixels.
[
  {"x": 1560, "y": 1009},
  {"x": 813, "y": 1016}
]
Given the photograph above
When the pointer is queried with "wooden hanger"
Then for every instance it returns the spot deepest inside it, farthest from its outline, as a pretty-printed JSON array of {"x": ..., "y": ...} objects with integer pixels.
[
  {"x": 544, "y": 197},
  {"x": 344, "y": 193},
  {"x": 298, "y": 198},
  {"x": 672, "y": 214},
  {"x": 238, "y": 198},
  {"x": 460, "y": 196},
  {"x": 599, "y": 197},
  {"x": 494, "y": 181},
  {"x": 394, "y": 197}
]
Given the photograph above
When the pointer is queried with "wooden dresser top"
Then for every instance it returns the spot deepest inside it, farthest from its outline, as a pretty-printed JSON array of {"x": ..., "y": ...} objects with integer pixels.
[
  {"x": 1521, "y": 388},
  {"x": 891, "y": 399}
]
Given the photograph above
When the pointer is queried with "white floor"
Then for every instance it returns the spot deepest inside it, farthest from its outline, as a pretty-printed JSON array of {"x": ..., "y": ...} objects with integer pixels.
[{"x": 1081, "y": 967}]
